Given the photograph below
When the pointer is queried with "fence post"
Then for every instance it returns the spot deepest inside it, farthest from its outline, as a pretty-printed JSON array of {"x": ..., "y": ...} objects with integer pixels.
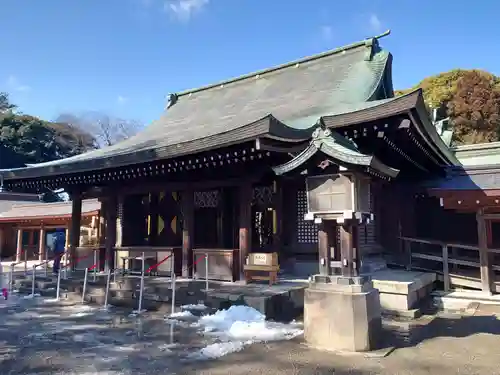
[
  {"x": 446, "y": 272},
  {"x": 173, "y": 294},
  {"x": 407, "y": 246},
  {"x": 206, "y": 272},
  {"x": 58, "y": 287},
  {"x": 85, "y": 284},
  {"x": 139, "y": 309},
  {"x": 33, "y": 281},
  {"x": 108, "y": 280}
]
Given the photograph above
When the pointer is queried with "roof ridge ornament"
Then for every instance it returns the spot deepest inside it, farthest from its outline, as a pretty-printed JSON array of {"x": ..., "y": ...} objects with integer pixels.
[
  {"x": 373, "y": 46},
  {"x": 171, "y": 99}
]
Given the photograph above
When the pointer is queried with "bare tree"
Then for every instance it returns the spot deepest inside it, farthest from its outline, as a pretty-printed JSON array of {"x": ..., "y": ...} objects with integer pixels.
[{"x": 107, "y": 130}]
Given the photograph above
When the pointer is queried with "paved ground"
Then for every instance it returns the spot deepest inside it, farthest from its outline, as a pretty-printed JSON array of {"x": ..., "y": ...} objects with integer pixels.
[{"x": 53, "y": 338}]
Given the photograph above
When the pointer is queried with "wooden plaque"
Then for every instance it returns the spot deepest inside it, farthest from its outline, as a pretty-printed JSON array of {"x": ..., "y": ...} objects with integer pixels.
[{"x": 263, "y": 259}]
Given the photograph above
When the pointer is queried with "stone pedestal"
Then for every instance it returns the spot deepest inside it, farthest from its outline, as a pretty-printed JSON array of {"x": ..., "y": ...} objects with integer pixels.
[{"x": 342, "y": 314}]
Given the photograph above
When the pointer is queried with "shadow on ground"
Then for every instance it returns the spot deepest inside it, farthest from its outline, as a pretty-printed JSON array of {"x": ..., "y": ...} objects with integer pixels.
[{"x": 38, "y": 337}]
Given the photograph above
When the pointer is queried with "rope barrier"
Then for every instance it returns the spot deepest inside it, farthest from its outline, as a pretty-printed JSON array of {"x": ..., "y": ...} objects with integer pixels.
[{"x": 159, "y": 263}]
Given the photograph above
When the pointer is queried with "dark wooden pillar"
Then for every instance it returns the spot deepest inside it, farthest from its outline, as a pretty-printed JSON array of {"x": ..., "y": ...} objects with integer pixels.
[
  {"x": 324, "y": 248},
  {"x": 76, "y": 221},
  {"x": 484, "y": 255},
  {"x": 278, "y": 216},
  {"x": 187, "y": 202},
  {"x": 327, "y": 242},
  {"x": 110, "y": 213},
  {"x": 348, "y": 250},
  {"x": 245, "y": 221},
  {"x": 154, "y": 200}
]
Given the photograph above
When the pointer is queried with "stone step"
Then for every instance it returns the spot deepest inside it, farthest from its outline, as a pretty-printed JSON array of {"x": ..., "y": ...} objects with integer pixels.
[{"x": 158, "y": 295}]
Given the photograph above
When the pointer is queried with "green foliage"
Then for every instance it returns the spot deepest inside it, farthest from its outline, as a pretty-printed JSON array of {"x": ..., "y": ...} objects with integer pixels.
[
  {"x": 5, "y": 104},
  {"x": 472, "y": 110},
  {"x": 475, "y": 108},
  {"x": 33, "y": 140}
]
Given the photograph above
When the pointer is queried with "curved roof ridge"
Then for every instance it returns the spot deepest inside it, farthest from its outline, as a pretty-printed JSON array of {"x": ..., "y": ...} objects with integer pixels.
[{"x": 368, "y": 42}]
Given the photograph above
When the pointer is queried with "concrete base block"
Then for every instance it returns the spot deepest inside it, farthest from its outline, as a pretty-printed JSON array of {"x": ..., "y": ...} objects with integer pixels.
[{"x": 339, "y": 319}]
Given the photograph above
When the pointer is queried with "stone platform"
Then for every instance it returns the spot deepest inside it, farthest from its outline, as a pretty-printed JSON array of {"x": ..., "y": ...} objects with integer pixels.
[
  {"x": 402, "y": 292},
  {"x": 280, "y": 302}
]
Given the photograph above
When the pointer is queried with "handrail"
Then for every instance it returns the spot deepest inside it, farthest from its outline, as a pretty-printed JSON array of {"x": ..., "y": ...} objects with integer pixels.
[
  {"x": 159, "y": 263},
  {"x": 449, "y": 244}
]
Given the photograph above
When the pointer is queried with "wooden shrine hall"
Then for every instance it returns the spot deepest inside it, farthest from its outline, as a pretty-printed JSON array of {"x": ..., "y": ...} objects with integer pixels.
[
  {"x": 25, "y": 228},
  {"x": 223, "y": 171}
]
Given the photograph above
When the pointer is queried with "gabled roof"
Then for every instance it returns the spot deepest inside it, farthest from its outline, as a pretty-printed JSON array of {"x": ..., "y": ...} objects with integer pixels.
[
  {"x": 38, "y": 211},
  {"x": 283, "y": 102},
  {"x": 343, "y": 151}
]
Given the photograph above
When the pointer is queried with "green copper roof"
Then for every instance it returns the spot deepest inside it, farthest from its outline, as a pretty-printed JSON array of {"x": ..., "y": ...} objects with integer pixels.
[{"x": 342, "y": 150}]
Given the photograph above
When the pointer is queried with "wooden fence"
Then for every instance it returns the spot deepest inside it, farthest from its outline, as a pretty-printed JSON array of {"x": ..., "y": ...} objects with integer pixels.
[{"x": 455, "y": 263}]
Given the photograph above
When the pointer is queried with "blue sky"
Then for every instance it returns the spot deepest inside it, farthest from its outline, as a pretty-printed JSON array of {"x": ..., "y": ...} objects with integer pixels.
[{"x": 124, "y": 56}]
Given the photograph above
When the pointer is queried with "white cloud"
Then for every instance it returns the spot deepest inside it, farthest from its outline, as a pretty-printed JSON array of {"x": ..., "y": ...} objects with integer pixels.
[
  {"x": 15, "y": 85},
  {"x": 327, "y": 32},
  {"x": 375, "y": 23},
  {"x": 121, "y": 99},
  {"x": 183, "y": 10}
]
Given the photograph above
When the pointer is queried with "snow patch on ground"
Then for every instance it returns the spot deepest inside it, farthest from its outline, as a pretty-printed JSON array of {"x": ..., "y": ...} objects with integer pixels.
[
  {"x": 197, "y": 307},
  {"x": 181, "y": 314},
  {"x": 238, "y": 327},
  {"x": 31, "y": 296}
]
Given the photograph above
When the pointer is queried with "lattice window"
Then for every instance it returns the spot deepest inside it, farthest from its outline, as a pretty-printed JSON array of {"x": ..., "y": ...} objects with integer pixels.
[
  {"x": 206, "y": 199},
  {"x": 307, "y": 231},
  {"x": 263, "y": 196}
]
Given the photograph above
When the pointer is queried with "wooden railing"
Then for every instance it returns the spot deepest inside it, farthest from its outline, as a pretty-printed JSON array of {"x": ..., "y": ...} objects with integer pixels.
[{"x": 439, "y": 252}]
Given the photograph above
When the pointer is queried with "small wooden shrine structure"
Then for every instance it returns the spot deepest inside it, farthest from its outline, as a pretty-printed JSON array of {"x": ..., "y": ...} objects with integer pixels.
[
  {"x": 229, "y": 168},
  {"x": 26, "y": 227}
]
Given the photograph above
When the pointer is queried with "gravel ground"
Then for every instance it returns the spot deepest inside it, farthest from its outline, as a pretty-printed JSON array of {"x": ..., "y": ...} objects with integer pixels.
[{"x": 45, "y": 337}]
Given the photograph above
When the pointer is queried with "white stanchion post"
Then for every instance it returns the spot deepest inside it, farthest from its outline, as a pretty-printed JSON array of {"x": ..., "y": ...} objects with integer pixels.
[
  {"x": 11, "y": 278},
  {"x": 33, "y": 281},
  {"x": 141, "y": 290},
  {"x": 173, "y": 294},
  {"x": 95, "y": 265},
  {"x": 206, "y": 272},
  {"x": 58, "y": 286},
  {"x": 108, "y": 281},
  {"x": 172, "y": 266},
  {"x": 85, "y": 284},
  {"x": 65, "y": 265}
]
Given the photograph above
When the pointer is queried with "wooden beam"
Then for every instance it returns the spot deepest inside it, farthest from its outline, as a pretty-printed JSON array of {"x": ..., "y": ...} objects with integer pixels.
[
  {"x": 19, "y": 247},
  {"x": 278, "y": 215},
  {"x": 42, "y": 248},
  {"x": 187, "y": 203},
  {"x": 347, "y": 250},
  {"x": 324, "y": 247},
  {"x": 484, "y": 255},
  {"x": 245, "y": 222}
]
